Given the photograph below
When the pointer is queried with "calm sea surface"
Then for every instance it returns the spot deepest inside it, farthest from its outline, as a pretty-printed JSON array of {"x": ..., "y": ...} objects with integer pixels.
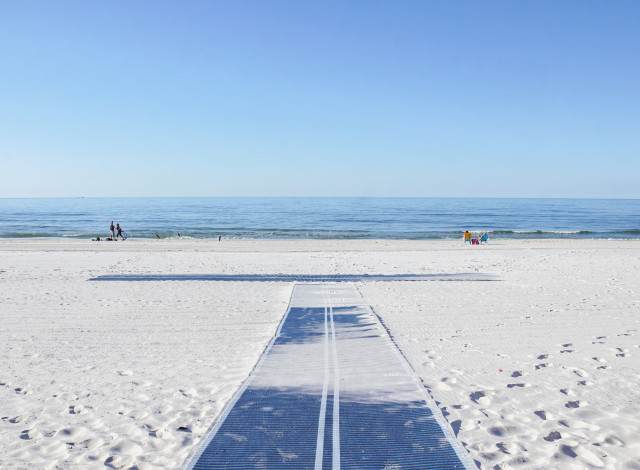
[{"x": 390, "y": 218}]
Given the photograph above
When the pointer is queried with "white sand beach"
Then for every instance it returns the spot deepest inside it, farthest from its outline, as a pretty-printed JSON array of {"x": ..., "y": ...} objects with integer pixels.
[{"x": 538, "y": 370}]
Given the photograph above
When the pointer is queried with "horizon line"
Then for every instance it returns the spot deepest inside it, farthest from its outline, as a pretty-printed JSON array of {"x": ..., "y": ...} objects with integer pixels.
[{"x": 326, "y": 197}]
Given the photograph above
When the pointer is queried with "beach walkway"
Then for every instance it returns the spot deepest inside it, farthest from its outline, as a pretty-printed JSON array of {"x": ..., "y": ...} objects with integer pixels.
[
  {"x": 297, "y": 277},
  {"x": 331, "y": 391}
]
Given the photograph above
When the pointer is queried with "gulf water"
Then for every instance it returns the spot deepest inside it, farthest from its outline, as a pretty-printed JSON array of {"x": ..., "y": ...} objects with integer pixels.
[{"x": 315, "y": 218}]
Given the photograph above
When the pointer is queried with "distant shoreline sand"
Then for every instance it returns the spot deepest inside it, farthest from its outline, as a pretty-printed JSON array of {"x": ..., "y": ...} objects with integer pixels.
[
  {"x": 301, "y": 244},
  {"x": 538, "y": 370}
]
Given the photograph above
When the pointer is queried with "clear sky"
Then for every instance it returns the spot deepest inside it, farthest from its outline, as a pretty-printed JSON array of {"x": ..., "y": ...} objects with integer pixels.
[{"x": 320, "y": 98}]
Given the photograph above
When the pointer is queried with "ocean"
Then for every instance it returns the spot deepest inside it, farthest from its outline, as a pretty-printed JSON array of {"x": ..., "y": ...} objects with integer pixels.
[{"x": 317, "y": 218}]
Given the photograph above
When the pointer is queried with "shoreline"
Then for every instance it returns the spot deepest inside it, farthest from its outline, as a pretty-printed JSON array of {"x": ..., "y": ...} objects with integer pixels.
[{"x": 304, "y": 245}]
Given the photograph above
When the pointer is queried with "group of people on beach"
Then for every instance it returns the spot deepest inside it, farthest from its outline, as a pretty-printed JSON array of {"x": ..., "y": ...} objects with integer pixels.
[
  {"x": 115, "y": 231},
  {"x": 479, "y": 240}
]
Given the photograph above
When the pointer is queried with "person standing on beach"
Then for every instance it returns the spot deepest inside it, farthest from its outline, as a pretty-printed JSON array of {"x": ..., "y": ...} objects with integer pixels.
[
  {"x": 112, "y": 229},
  {"x": 119, "y": 234}
]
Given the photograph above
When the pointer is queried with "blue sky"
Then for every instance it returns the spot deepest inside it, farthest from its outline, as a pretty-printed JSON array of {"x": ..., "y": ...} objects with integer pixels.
[{"x": 320, "y": 98}]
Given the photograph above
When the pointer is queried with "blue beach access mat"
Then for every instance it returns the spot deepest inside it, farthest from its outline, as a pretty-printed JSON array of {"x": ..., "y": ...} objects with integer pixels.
[
  {"x": 331, "y": 391},
  {"x": 298, "y": 277}
]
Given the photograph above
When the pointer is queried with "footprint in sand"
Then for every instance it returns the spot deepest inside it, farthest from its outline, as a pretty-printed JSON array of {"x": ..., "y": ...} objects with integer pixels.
[
  {"x": 599, "y": 340},
  {"x": 519, "y": 385},
  {"x": 136, "y": 414},
  {"x": 441, "y": 385},
  {"x": 119, "y": 461},
  {"x": 160, "y": 433},
  {"x": 92, "y": 443},
  {"x": 75, "y": 435},
  {"x": 480, "y": 398},
  {"x": 142, "y": 383},
  {"x": 507, "y": 447},
  {"x": 15, "y": 419},
  {"x": 78, "y": 410},
  {"x": 464, "y": 425},
  {"x": 553, "y": 436},
  {"x": 460, "y": 407},
  {"x": 622, "y": 352},
  {"x": 432, "y": 355},
  {"x": 66, "y": 396},
  {"x": 502, "y": 430},
  {"x": 189, "y": 392},
  {"x": 31, "y": 434},
  {"x": 577, "y": 424},
  {"x": 587, "y": 456},
  {"x": 541, "y": 414},
  {"x": 612, "y": 440},
  {"x": 580, "y": 373}
]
